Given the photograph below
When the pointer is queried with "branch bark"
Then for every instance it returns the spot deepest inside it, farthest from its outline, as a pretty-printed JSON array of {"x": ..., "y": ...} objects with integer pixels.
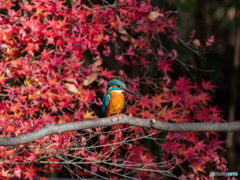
[{"x": 94, "y": 123}]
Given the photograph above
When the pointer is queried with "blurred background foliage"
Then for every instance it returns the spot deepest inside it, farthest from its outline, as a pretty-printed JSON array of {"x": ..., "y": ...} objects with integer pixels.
[{"x": 220, "y": 18}]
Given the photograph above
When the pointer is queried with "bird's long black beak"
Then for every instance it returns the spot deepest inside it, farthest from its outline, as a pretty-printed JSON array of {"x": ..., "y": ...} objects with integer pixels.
[{"x": 127, "y": 90}]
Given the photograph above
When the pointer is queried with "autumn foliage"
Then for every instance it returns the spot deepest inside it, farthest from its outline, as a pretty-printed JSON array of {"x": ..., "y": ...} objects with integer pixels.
[{"x": 46, "y": 79}]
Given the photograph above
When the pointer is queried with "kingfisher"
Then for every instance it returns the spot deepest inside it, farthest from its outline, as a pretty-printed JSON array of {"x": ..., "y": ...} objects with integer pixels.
[{"x": 113, "y": 99}]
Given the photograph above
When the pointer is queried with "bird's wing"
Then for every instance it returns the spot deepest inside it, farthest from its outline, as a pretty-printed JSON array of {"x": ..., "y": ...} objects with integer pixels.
[{"x": 105, "y": 101}]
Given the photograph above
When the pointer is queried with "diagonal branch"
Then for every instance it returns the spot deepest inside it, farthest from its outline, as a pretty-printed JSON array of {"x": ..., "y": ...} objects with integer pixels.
[{"x": 94, "y": 123}]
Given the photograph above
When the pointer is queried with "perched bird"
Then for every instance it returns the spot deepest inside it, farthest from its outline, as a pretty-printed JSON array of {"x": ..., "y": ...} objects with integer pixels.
[{"x": 113, "y": 99}]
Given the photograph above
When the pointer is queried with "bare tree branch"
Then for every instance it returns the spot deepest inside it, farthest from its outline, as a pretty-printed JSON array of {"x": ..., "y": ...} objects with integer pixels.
[{"x": 94, "y": 123}]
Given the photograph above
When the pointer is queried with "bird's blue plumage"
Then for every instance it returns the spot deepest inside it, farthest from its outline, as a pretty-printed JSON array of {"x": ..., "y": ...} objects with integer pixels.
[
  {"x": 116, "y": 83},
  {"x": 106, "y": 99},
  {"x": 116, "y": 104}
]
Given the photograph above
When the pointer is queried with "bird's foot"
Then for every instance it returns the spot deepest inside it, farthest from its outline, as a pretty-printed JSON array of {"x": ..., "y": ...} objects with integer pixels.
[
  {"x": 118, "y": 116},
  {"x": 110, "y": 117}
]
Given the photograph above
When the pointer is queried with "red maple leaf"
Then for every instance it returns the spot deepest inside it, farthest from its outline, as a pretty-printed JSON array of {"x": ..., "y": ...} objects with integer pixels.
[
  {"x": 203, "y": 97},
  {"x": 170, "y": 146},
  {"x": 158, "y": 100},
  {"x": 47, "y": 118},
  {"x": 145, "y": 102},
  {"x": 214, "y": 144},
  {"x": 29, "y": 173},
  {"x": 29, "y": 47},
  {"x": 207, "y": 85},
  {"x": 59, "y": 88},
  {"x": 189, "y": 153},
  {"x": 32, "y": 157},
  {"x": 177, "y": 99},
  {"x": 137, "y": 129},
  {"x": 200, "y": 146},
  {"x": 160, "y": 53},
  {"x": 183, "y": 84},
  {"x": 46, "y": 54},
  {"x": 107, "y": 73},
  {"x": 145, "y": 159},
  {"x": 114, "y": 170},
  {"x": 169, "y": 115},
  {"x": 145, "y": 114},
  {"x": 164, "y": 65},
  {"x": 202, "y": 115},
  {"x": 134, "y": 110}
]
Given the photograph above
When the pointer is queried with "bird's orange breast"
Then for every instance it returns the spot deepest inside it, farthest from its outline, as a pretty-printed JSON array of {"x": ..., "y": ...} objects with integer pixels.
[{"x": 115, "y": 103}]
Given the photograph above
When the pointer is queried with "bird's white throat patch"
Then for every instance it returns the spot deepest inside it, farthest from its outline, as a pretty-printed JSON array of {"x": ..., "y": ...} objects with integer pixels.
[{"x": 118, "y": 91}]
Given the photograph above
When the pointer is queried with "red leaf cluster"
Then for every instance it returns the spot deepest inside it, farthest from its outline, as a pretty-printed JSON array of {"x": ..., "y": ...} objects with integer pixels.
[{"x": 46, "y": 79}]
